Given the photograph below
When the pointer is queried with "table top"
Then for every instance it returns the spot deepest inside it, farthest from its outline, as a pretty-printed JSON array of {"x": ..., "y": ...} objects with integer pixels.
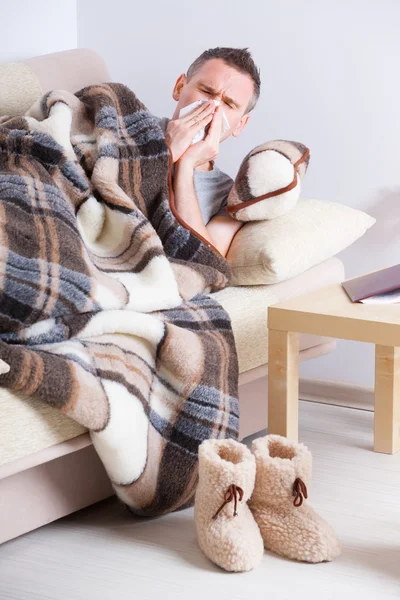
[{"x": 329, "y": 311}]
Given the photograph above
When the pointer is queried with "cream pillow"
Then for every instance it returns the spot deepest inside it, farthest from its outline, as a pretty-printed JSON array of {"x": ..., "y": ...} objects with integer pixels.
[{"x": 314, "y": 230}]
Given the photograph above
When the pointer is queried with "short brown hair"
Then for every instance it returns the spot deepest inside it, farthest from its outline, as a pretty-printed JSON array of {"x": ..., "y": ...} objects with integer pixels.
[{"x": 240, "y": 59}]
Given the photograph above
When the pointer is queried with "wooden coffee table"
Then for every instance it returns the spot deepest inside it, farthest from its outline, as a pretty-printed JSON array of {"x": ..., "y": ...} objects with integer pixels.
[{"x": 330, "y": 312}]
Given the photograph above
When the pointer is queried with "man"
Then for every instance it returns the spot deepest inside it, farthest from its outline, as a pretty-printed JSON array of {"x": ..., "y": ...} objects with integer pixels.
[{"x": 230, "y": 76}]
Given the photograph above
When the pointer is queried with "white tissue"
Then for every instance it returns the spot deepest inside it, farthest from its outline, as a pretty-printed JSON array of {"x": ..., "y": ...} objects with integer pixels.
[{"x": 201, "y": 134}]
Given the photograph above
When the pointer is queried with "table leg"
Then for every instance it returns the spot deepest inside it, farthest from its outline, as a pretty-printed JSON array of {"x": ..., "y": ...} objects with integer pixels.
[
  {"x": 283, "y": 383},
  {"x": 387, "y": 399}
]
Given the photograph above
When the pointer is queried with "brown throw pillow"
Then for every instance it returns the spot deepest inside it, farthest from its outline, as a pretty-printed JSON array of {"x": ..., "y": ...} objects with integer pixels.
[{"x": 268, "y": 182}]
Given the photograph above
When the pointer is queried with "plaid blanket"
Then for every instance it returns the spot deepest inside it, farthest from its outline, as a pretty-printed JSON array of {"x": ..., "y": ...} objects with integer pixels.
[{"x": 103, "y": 306}]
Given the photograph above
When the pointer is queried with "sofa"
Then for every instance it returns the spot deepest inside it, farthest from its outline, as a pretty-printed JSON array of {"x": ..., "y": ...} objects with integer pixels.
[{"x": 48, "y": 466}]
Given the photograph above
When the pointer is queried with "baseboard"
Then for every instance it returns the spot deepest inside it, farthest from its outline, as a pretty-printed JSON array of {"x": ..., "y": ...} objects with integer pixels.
[
  {"x": 253, "y": 396},
  {"x": 337, "y": 393}
]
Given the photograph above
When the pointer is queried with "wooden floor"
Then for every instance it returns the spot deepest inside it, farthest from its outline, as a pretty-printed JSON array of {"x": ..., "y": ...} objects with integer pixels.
[{"x": 104, "y": 553}]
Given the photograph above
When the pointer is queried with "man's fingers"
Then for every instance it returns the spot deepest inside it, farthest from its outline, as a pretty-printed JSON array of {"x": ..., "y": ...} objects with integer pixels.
[
  {"x": 201, "y": 124},
  {"x": 203, "y": 114},
  {"x": 198, "y": 112}
]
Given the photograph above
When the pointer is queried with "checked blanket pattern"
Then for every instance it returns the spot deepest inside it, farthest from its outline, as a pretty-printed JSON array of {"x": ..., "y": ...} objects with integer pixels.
[{"x": 104, "y": 312}]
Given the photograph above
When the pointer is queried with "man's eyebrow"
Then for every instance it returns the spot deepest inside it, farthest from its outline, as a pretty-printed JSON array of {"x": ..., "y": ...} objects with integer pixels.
[{"x": 210, "y": 89}]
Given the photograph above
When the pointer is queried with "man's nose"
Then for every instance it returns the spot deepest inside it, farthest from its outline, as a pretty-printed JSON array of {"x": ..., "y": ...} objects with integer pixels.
[{"x": 217, "y": 97}]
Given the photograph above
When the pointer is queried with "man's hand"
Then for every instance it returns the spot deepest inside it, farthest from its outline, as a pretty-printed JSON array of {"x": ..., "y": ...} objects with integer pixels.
[
  {"x": 180, "y": 132},
  {"x": 207, "y": 149}
]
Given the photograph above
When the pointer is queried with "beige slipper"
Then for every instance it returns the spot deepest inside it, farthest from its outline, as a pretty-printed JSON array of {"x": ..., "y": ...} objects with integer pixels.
[
  {"x": 226, "y": 530},
  {"x": 288, "y": 525}
]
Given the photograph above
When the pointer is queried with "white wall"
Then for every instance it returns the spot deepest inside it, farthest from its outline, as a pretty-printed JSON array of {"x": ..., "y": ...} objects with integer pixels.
[
  {"x": 329, "y": 79},
  {"x": 34, "y": 27}
]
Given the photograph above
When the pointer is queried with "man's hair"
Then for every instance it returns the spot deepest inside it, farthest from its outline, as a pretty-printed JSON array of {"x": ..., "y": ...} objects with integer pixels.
[{"x": 238, "y": 58}]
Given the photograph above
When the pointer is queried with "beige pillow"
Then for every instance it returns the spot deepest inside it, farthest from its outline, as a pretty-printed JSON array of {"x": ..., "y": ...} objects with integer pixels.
[{"x": 270, "y": 251}]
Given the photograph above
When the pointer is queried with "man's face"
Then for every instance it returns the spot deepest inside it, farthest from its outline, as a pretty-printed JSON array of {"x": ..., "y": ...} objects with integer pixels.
[{"x": 216, "y": 80}]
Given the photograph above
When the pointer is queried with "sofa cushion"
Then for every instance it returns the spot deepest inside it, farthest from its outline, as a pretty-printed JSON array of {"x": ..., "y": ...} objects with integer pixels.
[
  {"x": 22, "y": 83},
  {"x": 247, "y": 307},
  {"x": 29, "y": 425}
]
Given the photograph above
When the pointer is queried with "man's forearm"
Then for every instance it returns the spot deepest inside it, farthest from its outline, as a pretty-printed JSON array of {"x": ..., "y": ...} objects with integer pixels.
[
  {"x": 186, "y": 201},
  {"x": 220, "y": 230}
]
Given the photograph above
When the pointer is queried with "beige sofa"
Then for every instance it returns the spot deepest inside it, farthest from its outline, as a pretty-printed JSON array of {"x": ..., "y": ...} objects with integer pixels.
[{"x": 48, "y": 467}]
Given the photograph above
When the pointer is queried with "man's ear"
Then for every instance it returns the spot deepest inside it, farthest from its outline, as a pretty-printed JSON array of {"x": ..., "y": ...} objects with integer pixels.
[
  {"x": 180, "y": 82},
  {"x": 241, "y": 125}
]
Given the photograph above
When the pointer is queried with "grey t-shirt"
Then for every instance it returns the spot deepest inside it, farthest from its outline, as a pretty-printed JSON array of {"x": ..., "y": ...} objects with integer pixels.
[{"x": 211, "y": 187}]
